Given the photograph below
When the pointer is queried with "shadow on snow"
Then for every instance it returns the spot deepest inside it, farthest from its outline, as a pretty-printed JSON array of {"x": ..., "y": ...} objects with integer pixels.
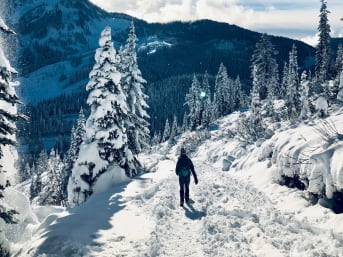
[
  {"x": 192, "y": 213},
  {"x": 73, "y": 234}
]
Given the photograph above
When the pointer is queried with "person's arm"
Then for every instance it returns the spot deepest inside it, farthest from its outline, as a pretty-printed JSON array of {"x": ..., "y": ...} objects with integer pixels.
[
  {"x": 177, "y": 169},
  {"x": 193, "y": 172}
]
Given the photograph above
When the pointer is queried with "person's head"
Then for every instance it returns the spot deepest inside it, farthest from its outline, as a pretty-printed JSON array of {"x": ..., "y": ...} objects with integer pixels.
[{"x": 183, "y": 151}]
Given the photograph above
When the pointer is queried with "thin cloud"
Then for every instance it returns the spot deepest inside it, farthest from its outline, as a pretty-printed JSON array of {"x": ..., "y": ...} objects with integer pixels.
[{"x": 256, "y": 15}]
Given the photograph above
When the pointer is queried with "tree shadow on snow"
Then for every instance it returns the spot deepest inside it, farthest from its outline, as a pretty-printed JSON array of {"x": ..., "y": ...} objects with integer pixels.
[
  {"x": 73, "y": 234},
  {"x": 192, "y": 213}
]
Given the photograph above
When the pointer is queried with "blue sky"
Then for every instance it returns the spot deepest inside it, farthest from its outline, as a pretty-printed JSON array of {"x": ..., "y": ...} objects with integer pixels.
[{"x": 295, "y": 19}]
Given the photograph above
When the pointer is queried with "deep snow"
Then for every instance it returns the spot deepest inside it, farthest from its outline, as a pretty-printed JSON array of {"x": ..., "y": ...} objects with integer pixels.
[{"x": 241, "y": 212}]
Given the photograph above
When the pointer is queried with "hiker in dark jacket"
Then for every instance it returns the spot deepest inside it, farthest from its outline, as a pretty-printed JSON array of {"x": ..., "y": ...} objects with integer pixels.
[{"x": 184, "y": 167}]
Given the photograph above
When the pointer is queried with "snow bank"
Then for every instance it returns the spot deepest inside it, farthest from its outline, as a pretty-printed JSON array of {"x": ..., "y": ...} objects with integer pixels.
[
  {"x": 312, "y": 155},
  {"x": 21, "y": 232},
  {"x": 112, "y": 177},
  {"x": 307, "y": 156}
]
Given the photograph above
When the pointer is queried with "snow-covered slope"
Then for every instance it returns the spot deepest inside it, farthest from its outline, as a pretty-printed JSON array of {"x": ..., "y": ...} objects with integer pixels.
[
  {"x": 55, "y": 32},
  {"x": 239, "y": 212},
  {"x": 56, "y": 58}
]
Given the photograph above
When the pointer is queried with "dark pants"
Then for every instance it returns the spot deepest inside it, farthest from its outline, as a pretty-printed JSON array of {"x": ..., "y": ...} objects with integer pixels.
[{"x": 184, "y": 190}]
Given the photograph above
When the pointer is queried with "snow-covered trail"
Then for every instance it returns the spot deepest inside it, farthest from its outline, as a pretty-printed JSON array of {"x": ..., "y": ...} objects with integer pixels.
[{"x": 228, "y": 218}]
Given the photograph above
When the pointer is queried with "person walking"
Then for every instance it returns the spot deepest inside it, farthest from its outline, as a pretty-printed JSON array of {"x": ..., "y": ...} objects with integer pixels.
[{"x": 184, "y": 168}]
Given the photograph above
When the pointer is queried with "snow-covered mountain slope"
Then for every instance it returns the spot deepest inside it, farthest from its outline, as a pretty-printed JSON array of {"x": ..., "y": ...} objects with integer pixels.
[
  {"x": 56, "y": 40},
  {"x": 239, "y": 212},
  {"x": 56, "y": 32}
]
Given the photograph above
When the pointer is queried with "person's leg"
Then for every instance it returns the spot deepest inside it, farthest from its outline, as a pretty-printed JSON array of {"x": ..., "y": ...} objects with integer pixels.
[
  {"x": 187, "y": 192},
  {"x": 182, "y": 193}
]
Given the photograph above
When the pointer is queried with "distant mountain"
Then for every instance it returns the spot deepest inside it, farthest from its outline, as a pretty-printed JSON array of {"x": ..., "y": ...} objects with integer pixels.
[
  {"x": 62, "y": 35},
  {"x": 57, "y": 39}
]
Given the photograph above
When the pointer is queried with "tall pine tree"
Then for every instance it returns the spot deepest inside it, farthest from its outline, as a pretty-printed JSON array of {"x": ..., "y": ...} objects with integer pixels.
[
  {"x": 293, "y": 85},
  {"x": 284, "y": 82},
  {"x": 237, "y": 94},
  {"x": 78, "y": 135},
  {"x": 220, "y": 92},
  {"x": 265, "y": 68},
  {"x": 132, "y": 83},
  {"x": 192, "y": 101},
  {"x": 339, "y": 60},
  {"x": 173, "y": 131},
  {"x": 106, "y": 141},
  {"x": 323, "y": 50},
  {"x": 256, "y": 103},
  {"x": 52, "y": 190},
  {"x": 166, "y": 132},
  {"x": 305, "y": 106},
  {"x": 8, "y": 117},
  {"x": 205, "y": 116}
]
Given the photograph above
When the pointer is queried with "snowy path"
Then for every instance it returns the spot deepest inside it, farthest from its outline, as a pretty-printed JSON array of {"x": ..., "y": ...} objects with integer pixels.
[{"x": 228, "y": 218}]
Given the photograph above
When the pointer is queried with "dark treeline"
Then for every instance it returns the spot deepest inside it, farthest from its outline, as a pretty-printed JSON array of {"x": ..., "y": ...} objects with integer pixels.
[{"x": 50, "y": 118}]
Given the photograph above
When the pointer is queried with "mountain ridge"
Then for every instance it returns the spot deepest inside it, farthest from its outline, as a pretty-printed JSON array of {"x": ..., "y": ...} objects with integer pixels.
[{"x": 56, "y": 58}]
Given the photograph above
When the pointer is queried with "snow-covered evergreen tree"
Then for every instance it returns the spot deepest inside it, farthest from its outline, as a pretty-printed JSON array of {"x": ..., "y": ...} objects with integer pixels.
[
  {"x": 156, "y": 139},
  {"x": 184, "y": 126},
  {"x": 293, "y": 85},
  {"x": 166, "y": 131},
  {"x": 132, "y": 83},
  {"x": 52, "y": 191},
  {"x": 106, "y": 141},
  {"x": 42, "y": 162},
  {"x": 265, "y": 77},
  {"x": 340, "y": 89},
  {"x": 173, "y": 131},
  {"x": 8, "y": 118},
  {"x": 26, "y": 173},
  {"x": 339, "y": 60},
  {"x": 205, "y": 102},
  {"x": 305, "y": 107},
  {"x": 220, "y": 104},
  {"x": 237, "y": 94},
  {"x": 323, "y": 50},
  {"x": 284, "y": 82},
  {"x": 192, "y": 101},
  {"x": 41, "y": 166},
  {"x": 78, "y": 135},
  {"x": 255, "y": 104}
]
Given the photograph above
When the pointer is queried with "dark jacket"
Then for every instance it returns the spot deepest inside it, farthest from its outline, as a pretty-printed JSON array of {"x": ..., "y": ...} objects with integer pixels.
[{"x": 185, "y": 162}]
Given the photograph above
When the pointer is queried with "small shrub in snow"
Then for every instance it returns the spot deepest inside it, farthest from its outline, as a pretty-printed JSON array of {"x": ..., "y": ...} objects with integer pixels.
[
  {"x": 280, "y": 110},
  {"x": 249, "y": 129},
  {"x": 328, "y": 132},
  {"x": 194, "y": 139}
]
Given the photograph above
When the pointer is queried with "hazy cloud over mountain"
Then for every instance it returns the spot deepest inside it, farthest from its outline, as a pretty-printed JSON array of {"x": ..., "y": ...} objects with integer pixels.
[{"x": 296, "y": 19}]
